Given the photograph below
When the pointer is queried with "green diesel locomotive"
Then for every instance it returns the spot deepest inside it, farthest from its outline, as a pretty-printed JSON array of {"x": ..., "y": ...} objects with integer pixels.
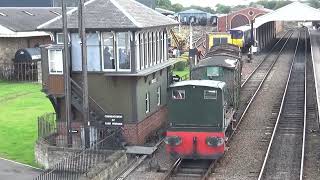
[{"x": 201, "y": 110}]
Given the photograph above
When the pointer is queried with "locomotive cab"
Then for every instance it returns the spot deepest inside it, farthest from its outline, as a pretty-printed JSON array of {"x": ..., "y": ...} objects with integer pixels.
[{"x": 197, "y": 119}]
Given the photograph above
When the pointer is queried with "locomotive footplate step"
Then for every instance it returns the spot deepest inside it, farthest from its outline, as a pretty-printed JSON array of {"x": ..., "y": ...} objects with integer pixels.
[{"x": 143, "y": 150}]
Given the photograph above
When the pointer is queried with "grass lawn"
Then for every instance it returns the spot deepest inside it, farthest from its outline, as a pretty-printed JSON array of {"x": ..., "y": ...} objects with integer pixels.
[{"x": 20, "y": 105}]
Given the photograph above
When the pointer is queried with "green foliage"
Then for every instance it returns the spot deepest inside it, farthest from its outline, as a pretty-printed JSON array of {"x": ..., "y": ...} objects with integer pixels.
[
  {"x": 223, "y": 9},
  {"x": 314, "y": 3},
  {"x": 180, "y": 66},
  {"x": 20, "y": 105},
  {"x": 166, "y": 4},
  {"x": 273, "y": 4}
]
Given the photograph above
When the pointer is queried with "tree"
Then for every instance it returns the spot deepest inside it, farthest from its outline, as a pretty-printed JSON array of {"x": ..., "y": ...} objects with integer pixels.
[
  {"x": 165, "y": 4},
  {"x": 223, "y": 9},
  {"x": 177, "y": 7},
  {"x": 314, "y": 3}
]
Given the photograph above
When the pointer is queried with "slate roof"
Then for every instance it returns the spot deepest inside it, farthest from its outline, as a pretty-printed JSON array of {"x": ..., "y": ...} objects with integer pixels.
[
  {"x": 26, "y": 3},
  {"x": 112, "y": 14},
  {"x": 218, "y": 60},
  {"x": 17, "y": 19}
]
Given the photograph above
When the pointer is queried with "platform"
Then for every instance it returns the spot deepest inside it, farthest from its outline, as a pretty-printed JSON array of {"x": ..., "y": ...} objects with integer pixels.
[{"x": 315, "y": 52}]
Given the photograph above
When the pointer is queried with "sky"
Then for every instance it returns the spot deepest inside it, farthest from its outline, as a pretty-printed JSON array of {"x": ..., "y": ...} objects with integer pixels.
[{"x": 212, "y": 3}]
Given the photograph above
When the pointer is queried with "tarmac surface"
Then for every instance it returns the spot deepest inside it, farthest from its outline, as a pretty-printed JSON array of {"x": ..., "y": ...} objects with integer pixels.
[{"x": 15, "y": 171}]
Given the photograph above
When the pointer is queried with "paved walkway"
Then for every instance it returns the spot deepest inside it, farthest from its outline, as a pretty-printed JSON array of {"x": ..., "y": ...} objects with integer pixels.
[
  {"x": 14, "y": 171},
  {"x": 315, "y": 50}
]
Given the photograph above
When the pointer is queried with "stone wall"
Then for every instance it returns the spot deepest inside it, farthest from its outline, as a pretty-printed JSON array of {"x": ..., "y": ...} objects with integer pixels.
[
  {"x": 9, "y": 46},
  {"x": 48, "y": 156},
  {"x": 109, "y": 169}
]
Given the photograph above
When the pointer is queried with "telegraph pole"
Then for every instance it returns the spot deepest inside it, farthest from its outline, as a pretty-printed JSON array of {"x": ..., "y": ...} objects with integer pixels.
[
  {"x": 66, "y": 70},
  {"x": 85, "y": 95}
]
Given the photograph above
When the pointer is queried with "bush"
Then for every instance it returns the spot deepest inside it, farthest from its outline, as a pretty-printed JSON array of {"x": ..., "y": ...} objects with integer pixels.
[{"x": 180, "y": 66}]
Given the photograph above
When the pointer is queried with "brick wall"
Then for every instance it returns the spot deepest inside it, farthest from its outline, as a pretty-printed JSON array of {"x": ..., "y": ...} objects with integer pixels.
[
  {"x": 9, "y": 46},
  {"x": 137, "y": 133},
  {"x": 250, "y": 13}
]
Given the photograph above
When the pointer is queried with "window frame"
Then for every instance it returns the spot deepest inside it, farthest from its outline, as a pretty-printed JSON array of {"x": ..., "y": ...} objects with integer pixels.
[
  {"x": 49, "y": 60},
  {"x": 102, "y": 48},
  {"x": 178, "y": 90},
  {"x": 61, "y": 33},
  {"x": 147, "y": 103},
  {"x": 210, "y": 98},
  {"x": 137, "y": 51},
  {"x": 118, "y": 69},
  {"x": 141, "y": 49},
  {"x": 159, "y": 95}
]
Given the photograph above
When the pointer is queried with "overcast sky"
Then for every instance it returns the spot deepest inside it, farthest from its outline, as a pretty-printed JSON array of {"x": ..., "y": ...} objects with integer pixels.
[{"x": 211, "y": 3}]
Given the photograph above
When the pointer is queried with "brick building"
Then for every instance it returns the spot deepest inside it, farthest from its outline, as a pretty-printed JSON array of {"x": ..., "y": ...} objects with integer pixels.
[
  {"x": 128, "y": 69},
  {"x": 18, "y": 29},
  {"x": 239, "y": 18}
]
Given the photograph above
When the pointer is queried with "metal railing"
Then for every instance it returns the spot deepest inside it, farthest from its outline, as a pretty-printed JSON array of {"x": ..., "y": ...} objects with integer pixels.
[
  {"x": 81, "y": 163},
  {"x": 19, "y": 71}
]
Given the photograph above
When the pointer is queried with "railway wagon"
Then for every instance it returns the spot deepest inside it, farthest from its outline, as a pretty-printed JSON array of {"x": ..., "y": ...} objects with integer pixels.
[{"x": 201, "y": 110}]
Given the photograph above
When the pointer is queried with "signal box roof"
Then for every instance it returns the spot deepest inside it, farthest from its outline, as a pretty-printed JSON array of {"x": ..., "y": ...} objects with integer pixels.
[
  {"x": 219, "y": 60},
  {"x": 204, "y": 83}
]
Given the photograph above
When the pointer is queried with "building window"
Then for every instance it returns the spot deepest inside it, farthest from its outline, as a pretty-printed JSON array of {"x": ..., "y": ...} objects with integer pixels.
[
  {"x": 158, "y": 47},
  {"x": 210, "y": 94},
  {"x": 141, "y": 42},
  {"x": 137, "y": 45},
  {"x": 59, "y": 38},
  {"x": 55, "y": 61},
  {"x": 165, "y": 45},
  {"x": 154, "y": 48},
  {"x": 150, "y": 49},
  {"x": 108, "y": 51},
  {"x": 178, "y": 94},
  {"x": 123, "y": 51},
  {"x": 147, "y": 102},
  {"x": 159, "y": 96},
  {"x": 93, "y": 51},
  {"x": 212, "y": 71},
  {"x": 146, "y": 44},
  {"x": 161, "y": 47}
]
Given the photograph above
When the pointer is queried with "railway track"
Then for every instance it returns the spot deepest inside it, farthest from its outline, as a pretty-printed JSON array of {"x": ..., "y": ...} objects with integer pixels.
[
  {"x": 249, "y": 89},
  {"x": 285, "y": 154}
]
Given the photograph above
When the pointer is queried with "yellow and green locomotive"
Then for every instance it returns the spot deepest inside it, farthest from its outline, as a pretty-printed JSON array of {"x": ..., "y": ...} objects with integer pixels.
[
  {"x": 240, "y": 36},
  {"x": 201, "y": 110}
]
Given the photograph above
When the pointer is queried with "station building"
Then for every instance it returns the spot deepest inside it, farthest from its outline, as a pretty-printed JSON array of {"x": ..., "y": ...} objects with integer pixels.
[
  {"x": 128, "y": 67},
  {"x": 18, "y": 29}
]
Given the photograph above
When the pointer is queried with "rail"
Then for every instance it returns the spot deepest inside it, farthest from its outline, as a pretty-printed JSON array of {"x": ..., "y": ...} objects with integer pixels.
[
  {"x": 284, "y": 107},
  {"x": 269, "y": 68}
]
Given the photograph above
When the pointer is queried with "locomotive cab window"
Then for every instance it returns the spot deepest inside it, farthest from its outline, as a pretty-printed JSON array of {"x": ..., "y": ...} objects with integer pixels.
[
  {"x": 212, "y": 71},
  {"x": 178, "y": 94},
  {"x": 210, "y": 94}
]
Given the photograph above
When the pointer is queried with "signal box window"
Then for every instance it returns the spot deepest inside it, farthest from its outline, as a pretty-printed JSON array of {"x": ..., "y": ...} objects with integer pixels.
[
  {"x": 178, "y": 94},
  {"x": 210, "y": 94},
  {"x": 212, "y": 71},
  {"x": 55, "y": 62}
]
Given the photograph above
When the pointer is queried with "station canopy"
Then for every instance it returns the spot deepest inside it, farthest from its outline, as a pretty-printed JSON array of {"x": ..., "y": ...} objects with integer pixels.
[{"x": 295, "y": 11}]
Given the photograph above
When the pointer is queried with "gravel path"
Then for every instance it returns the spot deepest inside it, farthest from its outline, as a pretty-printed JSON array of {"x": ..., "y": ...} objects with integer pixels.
[{"x": 248, "y": 146}]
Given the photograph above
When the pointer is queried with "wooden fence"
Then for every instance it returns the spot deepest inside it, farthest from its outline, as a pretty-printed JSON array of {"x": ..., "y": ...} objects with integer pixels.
[{"x": 20, "y": 71}]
